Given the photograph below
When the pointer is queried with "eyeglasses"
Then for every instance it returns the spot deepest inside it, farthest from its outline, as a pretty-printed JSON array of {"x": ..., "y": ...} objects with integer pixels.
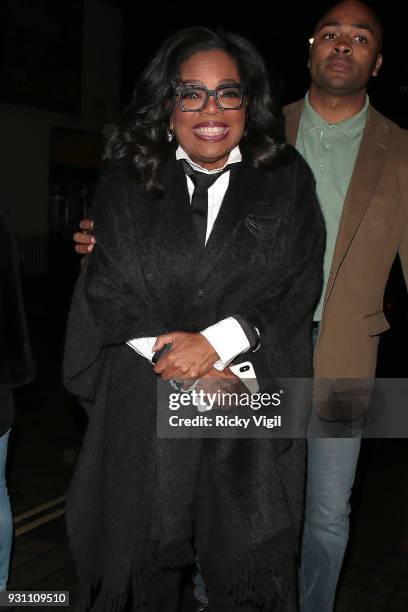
[{"x": 193, "y": 98}]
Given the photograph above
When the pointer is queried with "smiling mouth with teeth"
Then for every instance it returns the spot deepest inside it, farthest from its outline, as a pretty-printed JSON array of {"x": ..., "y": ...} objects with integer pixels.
[{"x": 211, "y": 132}]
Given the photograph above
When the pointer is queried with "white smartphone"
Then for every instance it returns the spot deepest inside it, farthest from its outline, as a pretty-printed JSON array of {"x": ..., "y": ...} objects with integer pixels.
[{"x": 245, "y": 371}]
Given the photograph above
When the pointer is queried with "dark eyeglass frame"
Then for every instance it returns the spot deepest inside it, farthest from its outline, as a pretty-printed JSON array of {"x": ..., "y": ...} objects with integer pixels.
[{"x": 209, "y": 92}]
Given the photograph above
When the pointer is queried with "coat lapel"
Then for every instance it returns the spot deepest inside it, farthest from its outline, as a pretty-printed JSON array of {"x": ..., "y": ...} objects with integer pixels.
[{"x": 367, "y": 171}]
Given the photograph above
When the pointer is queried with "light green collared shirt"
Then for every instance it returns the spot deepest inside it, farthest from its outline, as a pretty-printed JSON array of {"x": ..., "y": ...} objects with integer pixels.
[{"x": 331, "y": 151}]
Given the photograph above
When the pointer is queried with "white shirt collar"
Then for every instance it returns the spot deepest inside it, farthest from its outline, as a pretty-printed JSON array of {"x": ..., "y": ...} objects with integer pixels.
[{"x": 233, "y": 158}]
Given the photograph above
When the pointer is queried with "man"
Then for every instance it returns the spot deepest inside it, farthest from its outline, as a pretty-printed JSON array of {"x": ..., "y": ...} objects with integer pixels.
[{"x": 360, "y": 162}]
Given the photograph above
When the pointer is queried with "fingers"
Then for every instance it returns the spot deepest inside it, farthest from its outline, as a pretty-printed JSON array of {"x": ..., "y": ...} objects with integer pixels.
[
  {"x": 162, "y": 340},
  {"x": 190, "y": 356},
  {"x": 86, "y": 224},
  {"x": 163, "y": 365},
  {"x": 173, "y": 366},
  {"x": 81, "y": 238},
  {"x": 84, "y": 243},
  {"x": 82, "y": 249}
]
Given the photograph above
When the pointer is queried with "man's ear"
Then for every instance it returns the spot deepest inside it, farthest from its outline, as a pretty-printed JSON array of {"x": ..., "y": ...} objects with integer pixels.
[{"x": 377, "y": 66}]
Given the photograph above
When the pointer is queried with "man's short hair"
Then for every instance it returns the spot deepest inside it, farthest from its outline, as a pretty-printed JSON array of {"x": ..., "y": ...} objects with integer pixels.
[{"x": 330, "y": 4}]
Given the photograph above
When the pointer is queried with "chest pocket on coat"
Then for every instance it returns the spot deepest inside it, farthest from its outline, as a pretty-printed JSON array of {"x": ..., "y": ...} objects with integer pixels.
[
  {"x": 262, "y": 226},
  {"x": 381, "y": 214},
  {"x": 383, "y": 204}
]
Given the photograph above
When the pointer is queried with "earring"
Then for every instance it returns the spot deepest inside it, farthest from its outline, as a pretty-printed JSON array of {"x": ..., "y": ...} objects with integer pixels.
[{"x": 170, "y": 135}]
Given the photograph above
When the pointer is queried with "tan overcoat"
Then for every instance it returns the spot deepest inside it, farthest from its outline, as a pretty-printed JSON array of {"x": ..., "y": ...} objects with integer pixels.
[{"x": 373, "y": 229}]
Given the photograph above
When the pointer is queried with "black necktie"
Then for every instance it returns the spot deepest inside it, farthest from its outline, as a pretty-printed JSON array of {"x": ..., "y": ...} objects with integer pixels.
[{"x": 199, "y": 201}]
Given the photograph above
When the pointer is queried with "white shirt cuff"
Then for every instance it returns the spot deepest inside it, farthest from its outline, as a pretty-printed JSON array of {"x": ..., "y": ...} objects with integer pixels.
[
  {"x": 143, "y": 346},
  {"x": 228, "y": 339}
]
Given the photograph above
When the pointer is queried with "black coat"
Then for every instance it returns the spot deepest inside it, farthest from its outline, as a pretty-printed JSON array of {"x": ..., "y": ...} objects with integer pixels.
[
  {"x": 263, "y": 261},
  {"x": 16, "y": 363}
]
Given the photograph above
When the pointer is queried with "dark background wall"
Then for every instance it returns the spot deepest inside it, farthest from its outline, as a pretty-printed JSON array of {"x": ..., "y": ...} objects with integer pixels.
[
  {"x": 71, "y": 65},
  {"x": 280, "y": 30}
]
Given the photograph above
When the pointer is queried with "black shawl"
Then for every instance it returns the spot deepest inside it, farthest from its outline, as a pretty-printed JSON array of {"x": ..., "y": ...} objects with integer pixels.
[{"x": 132, "y": 504}]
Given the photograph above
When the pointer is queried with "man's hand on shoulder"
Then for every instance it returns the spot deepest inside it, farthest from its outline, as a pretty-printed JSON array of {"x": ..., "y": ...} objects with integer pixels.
[{"x": 84, "y": 240}]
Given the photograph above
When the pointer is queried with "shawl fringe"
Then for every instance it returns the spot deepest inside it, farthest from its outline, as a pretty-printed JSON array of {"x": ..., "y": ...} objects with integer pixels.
[
  {"x": 266, "y": 579},
  {"x": 265, "y": 589},
  {"x": 101, "y": 595}
]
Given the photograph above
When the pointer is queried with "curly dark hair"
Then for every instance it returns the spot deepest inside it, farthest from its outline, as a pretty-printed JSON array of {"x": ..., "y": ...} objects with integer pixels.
[{"x": 141, "y": 137}]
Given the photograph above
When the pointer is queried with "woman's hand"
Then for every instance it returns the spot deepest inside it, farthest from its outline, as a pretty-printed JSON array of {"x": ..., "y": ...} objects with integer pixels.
[
  {"x": 84, "y": 240},
  {"x": 191, "y": 356}
]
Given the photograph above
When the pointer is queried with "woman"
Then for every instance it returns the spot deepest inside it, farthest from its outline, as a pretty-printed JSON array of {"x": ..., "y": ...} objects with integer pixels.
[{"x": 245, "y": 270}]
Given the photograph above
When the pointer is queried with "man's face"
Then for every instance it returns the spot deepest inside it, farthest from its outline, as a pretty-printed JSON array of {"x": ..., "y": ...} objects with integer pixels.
[{"x": 345, "y": 50}]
